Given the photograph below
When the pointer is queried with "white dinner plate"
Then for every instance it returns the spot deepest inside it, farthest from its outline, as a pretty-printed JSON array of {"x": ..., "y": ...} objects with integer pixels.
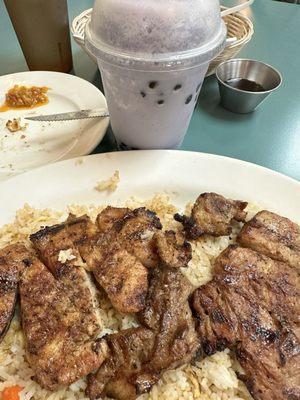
[
  {"x": 182, "y": 175},
  {"x": 48, "y": 142}
]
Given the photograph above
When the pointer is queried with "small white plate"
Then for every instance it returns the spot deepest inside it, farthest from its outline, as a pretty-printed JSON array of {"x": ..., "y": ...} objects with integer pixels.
[
  {"x": 182, "y": 175},
  {"x": 48, "y": 142}
]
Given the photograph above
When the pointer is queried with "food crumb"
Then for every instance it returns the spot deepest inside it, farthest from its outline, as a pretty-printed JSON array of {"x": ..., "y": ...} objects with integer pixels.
[
  {"x": 110, "y": 184},
  {"x": 65, "y": 255},
  {"x": 15, "y": 125},
  {"x": 79, "y": 161},
  {"x": 23, "y": 136}
]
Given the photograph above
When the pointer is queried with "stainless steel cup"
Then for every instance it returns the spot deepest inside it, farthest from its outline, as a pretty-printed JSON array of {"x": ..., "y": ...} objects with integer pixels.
[{"x": 245, "y": 101}]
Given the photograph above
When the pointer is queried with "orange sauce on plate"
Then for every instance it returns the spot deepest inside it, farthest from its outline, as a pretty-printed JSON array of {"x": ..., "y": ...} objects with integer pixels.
[
  {"x": 5, "y": 107},
  {"x": 32, "y": 97}
]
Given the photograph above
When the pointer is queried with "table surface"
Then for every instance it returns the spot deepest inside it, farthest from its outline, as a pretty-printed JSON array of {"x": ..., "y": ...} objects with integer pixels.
[{"x": 270, "y": 136}]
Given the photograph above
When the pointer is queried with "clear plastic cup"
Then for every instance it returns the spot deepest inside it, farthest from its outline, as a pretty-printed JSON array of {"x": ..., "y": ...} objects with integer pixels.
[{"x": 153, "y": 56}]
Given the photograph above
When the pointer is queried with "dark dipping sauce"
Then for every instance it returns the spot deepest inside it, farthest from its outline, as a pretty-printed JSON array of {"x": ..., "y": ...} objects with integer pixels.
[{"x": 245, "y": 84}]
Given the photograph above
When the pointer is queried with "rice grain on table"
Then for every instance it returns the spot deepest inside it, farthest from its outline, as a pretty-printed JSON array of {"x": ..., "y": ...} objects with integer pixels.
[{"x": 213, "y": 378}]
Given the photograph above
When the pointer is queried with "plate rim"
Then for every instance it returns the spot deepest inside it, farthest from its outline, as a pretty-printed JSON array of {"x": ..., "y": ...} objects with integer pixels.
[
  {"x": 186, "y": 152},
  {"x": 200, "y": 172},
  {"x": 47, "y": 73}
]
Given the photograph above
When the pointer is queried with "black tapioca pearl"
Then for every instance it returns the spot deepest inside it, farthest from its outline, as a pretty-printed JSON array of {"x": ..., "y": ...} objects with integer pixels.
[
  {"x": 143, "y": 94},
  {"x": 189, "y": 99},
  {"x": 153, "y": 84},
  {"x": 177, "y": 87},
  {"x": 161, "y": 102}
]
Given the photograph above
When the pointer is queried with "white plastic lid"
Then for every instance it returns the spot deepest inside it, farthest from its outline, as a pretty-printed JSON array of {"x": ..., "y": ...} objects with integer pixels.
[{"x": 175, "y": 33}]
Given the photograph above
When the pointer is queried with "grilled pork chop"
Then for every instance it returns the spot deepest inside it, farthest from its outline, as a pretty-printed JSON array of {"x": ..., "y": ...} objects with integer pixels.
[
  {"x": 120, "y": 273},
  {"x": 134, "y": 233},
  {"x": 13, "y": 261},
  {"x": 275, "y": 236},
  {"x": 253, "y": 307},
  {"x": 121, "y": 375},
  {"x": 110, "y": 215},
  {"x": 139, "y": 356},
  {"x": 83, "y": 233},
  {"x": 125, "y": 280},
  {"x": 59, "y": 312},
  {"x": 121, "y": 254},
  {"x": 117, "y": 229},
  {"x": 167, "y": 313},
  {"x": 173, "y": 250},
  {"x": 60, "y": 326},
  {"x": 212, "y": 214},
  {"x": 54, "y": 242}
]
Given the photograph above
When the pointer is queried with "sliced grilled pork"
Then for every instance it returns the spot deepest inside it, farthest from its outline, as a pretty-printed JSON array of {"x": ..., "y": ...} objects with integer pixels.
[
  {"x": 139, "y": 356},
  {"x": 60, "y": 324},
  {"x": 121, "y": 376},
  {"x": 135, "y": 234},
  {"x": 13, "y": 261},
  {"x": 173, "y": 250},
  {"x": 125, "y": 280},
  {"x": 121, "y": 254},
  {"x": 120, "y": 272},
  {"x": 56, "y": 249},
  {"x": 274, "y": 236},
  {"x": 253, "y": 307},
  {"x": 110, "y": 215},
  {"x": 168, "y": 314},
  {"x": 212, "y": 214}
]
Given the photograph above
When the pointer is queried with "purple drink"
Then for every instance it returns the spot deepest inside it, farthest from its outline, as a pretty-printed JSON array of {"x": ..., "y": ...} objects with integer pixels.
[{"x": 153, "y": 56}]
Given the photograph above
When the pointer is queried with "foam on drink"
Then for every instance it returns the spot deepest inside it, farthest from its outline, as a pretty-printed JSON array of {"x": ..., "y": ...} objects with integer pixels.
[{"x": 155, "y": 27}]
